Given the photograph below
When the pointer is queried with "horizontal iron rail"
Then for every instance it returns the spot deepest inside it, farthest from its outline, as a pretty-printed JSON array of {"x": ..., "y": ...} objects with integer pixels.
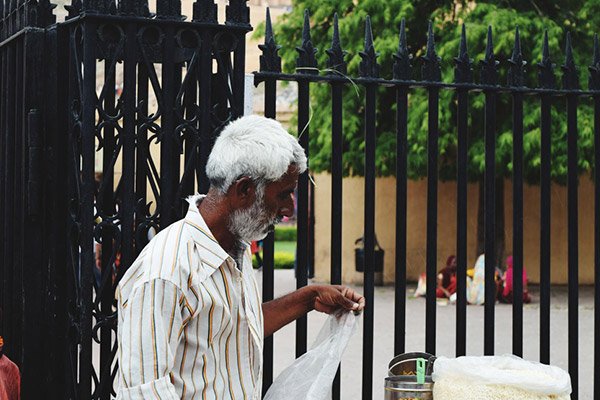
[
  {"x": 260, "y": 77},
  {"x": 159, "y": 21},
  {"x": 20, "y": 33}
]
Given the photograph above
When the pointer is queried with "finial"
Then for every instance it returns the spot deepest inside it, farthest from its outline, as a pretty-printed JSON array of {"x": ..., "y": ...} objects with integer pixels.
[
  {"x": 594, "y": 80},
  {"x": 402, "y": 57},
  {"x": 368, "y": 66},
  {"x": 237, "y": 13},
  {"x": 335, "y": 52},
  {"x": 205, "y": 11},
  {"x": 546, "y": 77},
  {"x": 463, "y": 73},
  {"x": 570, "y": 76},
  {"x": 489, "y": 66},
  {"x": 431, "y": 70},
  {"x": 516, "y": 72},
  {"x": 269, "y": 60},
  {"x": 306, "y": 62}
]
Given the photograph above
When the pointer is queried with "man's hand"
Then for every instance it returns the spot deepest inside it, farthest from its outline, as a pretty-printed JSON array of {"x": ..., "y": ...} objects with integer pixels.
[
  {"x": 323, "y": 298},
  {"x": 330, "y": 298}
]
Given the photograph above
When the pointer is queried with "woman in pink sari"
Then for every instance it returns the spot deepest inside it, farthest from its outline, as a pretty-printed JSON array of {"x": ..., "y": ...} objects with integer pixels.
[{"x": 506, "y": 296}]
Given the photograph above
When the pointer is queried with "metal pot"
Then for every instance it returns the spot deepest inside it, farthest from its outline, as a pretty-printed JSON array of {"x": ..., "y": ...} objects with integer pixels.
[{"x": 406, "y": 387}]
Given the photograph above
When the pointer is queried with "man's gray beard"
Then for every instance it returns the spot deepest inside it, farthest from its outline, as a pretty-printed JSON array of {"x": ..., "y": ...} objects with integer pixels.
[{"x": 251, "y": 224}]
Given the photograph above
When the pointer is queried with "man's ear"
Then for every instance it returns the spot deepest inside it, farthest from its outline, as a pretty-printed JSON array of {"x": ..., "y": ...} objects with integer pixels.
[{"x": 243, "y": 192}]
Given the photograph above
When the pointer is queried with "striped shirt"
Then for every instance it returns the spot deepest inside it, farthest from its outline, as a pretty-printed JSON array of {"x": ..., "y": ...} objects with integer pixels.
[{"x": 190, "y": 320}]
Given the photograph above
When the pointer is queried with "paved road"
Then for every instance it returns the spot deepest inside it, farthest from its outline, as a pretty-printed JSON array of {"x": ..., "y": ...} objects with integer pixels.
[{"x": 446, "y": 322}]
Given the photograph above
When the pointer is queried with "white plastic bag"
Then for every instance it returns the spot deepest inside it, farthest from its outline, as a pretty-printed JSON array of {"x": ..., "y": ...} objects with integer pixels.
[
  {"x": 310, "y": 376},
  {"x": 498, "y": 377}
]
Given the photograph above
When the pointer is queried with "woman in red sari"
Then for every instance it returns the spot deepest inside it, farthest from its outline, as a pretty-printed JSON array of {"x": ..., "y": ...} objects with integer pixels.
[
  {"x": 446, "y": 279},
  {"x": 506, "y": 296}
]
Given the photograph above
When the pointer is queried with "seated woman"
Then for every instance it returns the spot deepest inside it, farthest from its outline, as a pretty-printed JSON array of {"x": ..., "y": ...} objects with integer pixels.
[
  {"x": 506, "y": 296},
  {"x": 446, "y": 279}
]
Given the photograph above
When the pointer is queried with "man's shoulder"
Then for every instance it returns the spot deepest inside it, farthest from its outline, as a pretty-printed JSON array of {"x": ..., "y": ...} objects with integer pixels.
[{"x": 173, "y": 255}]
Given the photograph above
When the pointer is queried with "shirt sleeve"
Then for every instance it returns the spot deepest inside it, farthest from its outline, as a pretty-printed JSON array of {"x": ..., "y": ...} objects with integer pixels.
[{"x": 150, "y": 329}]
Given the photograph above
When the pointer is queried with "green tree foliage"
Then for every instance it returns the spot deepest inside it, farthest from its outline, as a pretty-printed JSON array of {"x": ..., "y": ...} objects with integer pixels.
[{"x": 532, "y": 17}]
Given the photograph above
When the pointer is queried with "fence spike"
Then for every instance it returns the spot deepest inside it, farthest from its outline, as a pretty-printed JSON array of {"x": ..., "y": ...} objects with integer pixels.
[
  {"x": 570, "y": 76},
  {"x": 402, "y": 58},
  {"x": 269, "y": 60},
  {"x": 237, "y": 12},
  {"x": 463, "y": 73},
  {"x": 306, "y": 63},
  {"x": 335, "y": 52},
  {"x": 489, "y": 65},
  {"x": 546, "y": 77},
  {"x": 205, "y": 11},
  {"x": 516, "y": 71},
  {"x": 368, "y": 66},
  {"x": 431, "y": 70},
  {"x": 594, "y": 79}
]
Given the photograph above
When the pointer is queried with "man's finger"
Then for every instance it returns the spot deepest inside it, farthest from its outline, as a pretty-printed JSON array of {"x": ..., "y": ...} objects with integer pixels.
[{"x": 347, "y": 303}]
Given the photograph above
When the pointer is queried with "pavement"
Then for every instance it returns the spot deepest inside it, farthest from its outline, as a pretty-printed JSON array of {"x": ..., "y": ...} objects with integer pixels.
[{"x": 351, "y": 384}]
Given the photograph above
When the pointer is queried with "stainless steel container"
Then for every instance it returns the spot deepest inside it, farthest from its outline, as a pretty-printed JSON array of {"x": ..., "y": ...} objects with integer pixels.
[{"x": 407, "y": 388}]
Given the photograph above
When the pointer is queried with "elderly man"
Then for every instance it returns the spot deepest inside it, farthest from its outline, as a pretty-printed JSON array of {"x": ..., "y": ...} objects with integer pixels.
[{"x": 191, "y": 323}]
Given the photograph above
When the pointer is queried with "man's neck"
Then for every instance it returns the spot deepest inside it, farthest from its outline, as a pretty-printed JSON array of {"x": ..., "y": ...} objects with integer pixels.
[{"x": 216, "y": 215}]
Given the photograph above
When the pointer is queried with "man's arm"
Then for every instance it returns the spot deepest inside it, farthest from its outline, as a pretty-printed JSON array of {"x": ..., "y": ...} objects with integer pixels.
[
  {"x": 323, "y": 298},
  {"x": 152, "y": 321}
]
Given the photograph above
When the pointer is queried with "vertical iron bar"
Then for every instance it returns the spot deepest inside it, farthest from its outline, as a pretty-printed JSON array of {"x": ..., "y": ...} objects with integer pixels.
[
  {"x": 239, "y": 75},
  {"x": 461, "y": 221},
  {"x": 17, "y": 215},
  {"x": 597, "y": 247},
  {"x": 168, "y": 154},
  {"x": 369, "y": 241},
  {"x": 105, "y": 205},
  {"x": 268, "y": 268},
  {"x": 432, "y": 197},
  {"x": 490, "y": 212},
  {"x": 572, "y": 184},
  {"x": 9, "y": 160},
  {"x": 142, "y": 148},
  {"x": 401, "y": 207},
  {"x": 545, "y": 219},
  {"x": 302, "y": 240},
  {"x": 205, "y": 104},
  {"x": 87, "y": 205},
  {"x": 517, "y": 335},
  {"x": 129, "y": 144},
  {"x": 336, "y": 199}
]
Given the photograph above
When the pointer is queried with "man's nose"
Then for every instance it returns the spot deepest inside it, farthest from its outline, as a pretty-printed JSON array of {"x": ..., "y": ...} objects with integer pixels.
[{"x": 288, "y": 208}]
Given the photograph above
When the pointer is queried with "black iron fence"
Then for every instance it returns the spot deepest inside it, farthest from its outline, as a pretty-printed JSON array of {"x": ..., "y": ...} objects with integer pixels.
[
  {"x": 140, "y": 97},
  {"x": 307, "y": 73}
]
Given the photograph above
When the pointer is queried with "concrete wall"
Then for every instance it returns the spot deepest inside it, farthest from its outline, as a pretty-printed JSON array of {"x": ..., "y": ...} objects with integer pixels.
[{"x": 385, "y": 214}]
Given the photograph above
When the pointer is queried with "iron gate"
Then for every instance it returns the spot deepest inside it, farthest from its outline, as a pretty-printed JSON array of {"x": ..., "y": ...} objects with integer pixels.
[{"x": 107, "y": 121}]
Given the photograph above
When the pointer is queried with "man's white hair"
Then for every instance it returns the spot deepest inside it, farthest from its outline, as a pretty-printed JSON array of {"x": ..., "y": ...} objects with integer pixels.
[{"x": 253, "y": 146}]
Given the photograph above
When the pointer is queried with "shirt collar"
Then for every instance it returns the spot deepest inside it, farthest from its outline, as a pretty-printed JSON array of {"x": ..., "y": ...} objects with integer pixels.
[{"x": 212, "y": 253}]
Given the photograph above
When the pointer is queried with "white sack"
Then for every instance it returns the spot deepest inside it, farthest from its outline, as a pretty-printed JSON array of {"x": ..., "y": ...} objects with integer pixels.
[{"x": 498, "y": 377}]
